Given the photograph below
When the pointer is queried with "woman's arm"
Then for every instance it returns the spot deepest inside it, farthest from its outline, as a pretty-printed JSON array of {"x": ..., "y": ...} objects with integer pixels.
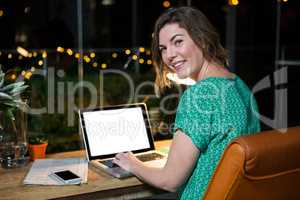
[{"x": 182, "y": 157}]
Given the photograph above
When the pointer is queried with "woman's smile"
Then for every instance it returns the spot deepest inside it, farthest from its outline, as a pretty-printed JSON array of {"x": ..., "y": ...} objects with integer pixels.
[{"x": 178, "y": 66}]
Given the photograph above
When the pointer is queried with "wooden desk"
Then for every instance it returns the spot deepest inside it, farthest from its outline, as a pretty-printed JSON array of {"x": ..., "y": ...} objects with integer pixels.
[{"x": 100, "y": 185}]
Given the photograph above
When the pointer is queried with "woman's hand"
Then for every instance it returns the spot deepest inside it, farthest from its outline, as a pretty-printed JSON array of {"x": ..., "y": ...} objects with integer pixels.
[{"x": 126, "y": 161}]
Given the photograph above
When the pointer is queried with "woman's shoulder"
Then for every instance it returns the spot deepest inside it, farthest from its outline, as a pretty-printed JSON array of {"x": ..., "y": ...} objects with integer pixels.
[{"x": 214, "y": 83}]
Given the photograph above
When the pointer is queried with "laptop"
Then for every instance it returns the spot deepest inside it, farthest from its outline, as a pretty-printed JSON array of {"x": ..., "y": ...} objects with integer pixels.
[{"x": 113, "y": 129}]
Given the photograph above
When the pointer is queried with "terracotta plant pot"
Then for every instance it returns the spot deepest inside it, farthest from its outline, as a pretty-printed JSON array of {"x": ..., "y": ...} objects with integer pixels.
[{"x": 37, "y": 151}]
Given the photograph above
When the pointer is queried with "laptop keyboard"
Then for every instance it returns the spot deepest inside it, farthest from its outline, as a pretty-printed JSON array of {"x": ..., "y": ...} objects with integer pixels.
[
  {"x": 142, "y": 157},
  {"x": 109, "y": 163}
]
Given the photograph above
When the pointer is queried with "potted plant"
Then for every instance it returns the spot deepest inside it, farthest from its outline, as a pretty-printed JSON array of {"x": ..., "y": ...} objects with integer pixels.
[
  {"x": 13, "y": 126},
  {"x": 37, "y": 147}
]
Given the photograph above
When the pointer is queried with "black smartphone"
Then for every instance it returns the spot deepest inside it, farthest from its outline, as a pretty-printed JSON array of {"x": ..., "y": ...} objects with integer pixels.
[{"x": 66, "y": 176}]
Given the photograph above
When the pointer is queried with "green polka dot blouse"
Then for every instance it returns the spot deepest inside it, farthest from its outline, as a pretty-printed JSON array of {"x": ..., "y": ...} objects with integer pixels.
[{"x": 213, "y": 112}]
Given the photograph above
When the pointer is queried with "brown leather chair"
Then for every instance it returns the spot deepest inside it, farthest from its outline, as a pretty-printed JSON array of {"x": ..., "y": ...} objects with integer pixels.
[{"x": 265, "y": 166}]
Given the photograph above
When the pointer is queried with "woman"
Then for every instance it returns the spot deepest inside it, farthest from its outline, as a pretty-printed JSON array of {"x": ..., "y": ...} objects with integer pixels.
[{"x": 218, "y": 108}]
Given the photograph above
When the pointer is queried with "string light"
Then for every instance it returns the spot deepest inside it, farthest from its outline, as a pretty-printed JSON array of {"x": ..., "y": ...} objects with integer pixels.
[
  {"x": 103, "y": 65},
  {"x": 28, "y": 75},
  {"x": 134, "y": 57},
  {"x": 1, "y": 13},
  {"x": 149, "y": 62},
  {"x": 141, "y": 61},
  {"x": 69, "y": 52},
  {"x": 44, "y": 55},
  {"x": 86, "y": 59},
  {"x": 22, "y": 51},
  {"x": 166, "y": 4},
  {"x": 60, "y": 49},
  {"x": 95, "y": 64},
  {"x": 13, "y": 77},
  {"x": 27, "y": 10},
  {"x": 77, "y": 55},
  {"x": 127, "y": 51},
  {"x": 142, "y": 49},
  {"x": 233, "y": 2},
  {"x": 114, "y": 55},
  {"x": 92, "y": 55}
]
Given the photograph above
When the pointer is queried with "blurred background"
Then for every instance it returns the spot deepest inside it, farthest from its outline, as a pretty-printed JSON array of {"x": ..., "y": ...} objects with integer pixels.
[{"x": 78, "y": 53}]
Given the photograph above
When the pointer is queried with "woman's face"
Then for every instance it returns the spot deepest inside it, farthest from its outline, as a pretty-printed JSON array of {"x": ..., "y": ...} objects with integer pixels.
[{"x": 179, "y": 52}]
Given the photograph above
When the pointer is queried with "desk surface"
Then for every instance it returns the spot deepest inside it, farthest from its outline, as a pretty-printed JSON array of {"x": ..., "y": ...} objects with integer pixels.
[{"x": 100, "y": 185}]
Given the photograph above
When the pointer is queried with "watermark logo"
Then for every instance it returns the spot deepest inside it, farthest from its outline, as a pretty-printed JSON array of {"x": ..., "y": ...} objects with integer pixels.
[{"x": 59, "y": 92}]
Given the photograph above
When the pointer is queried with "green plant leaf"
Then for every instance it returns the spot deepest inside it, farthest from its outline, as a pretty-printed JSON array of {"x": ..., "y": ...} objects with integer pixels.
[
  {"x": 21, "y": 104},
  {"x": 11, "y": 104},
  {"x": 2, "y": 75},
  {"x": 1, "y": 79},
  {"x": 19, "y": 89},
  {"x": 12, "y": 86},
  {"x": 37, "y": 139},
  {"x": 9, "y": 113},
  {"x": 4, "y": 96},
  {"x": 9, "y": 99}
]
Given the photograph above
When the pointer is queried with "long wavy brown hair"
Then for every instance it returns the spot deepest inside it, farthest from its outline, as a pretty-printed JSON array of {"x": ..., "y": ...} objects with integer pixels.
[{"x": 199, "y": 28}]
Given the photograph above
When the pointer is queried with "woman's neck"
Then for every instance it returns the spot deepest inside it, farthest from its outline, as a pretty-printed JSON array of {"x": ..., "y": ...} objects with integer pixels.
[
  {"x": 203, "y": 71},
  {"x": 215, "y": 70}
]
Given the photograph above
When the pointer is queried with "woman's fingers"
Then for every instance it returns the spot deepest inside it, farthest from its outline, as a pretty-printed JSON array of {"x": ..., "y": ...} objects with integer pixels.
[{"x": 123, "y": 160}]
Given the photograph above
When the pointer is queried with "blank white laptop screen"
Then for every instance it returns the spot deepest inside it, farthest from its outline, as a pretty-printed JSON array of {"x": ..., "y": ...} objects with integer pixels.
[{"x": 117, "y": 130}]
